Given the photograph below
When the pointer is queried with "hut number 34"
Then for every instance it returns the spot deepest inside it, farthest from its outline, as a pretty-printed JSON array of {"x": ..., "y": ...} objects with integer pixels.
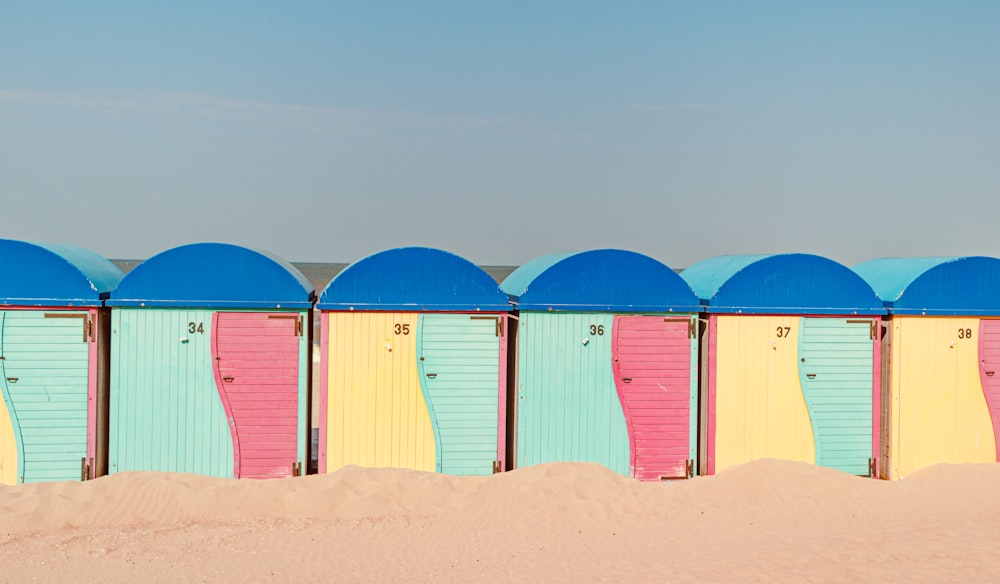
[{"x": 196, "y": 327}]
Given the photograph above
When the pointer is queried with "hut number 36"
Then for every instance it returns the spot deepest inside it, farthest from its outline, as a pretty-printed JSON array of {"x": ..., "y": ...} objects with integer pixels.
[
  {"x": 597, "y": 329},
  {"x": 965, "y": 333}
]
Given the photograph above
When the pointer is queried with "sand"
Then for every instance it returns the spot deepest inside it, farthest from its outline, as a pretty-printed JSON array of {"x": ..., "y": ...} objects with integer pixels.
[{"x": 767, "y": 521}]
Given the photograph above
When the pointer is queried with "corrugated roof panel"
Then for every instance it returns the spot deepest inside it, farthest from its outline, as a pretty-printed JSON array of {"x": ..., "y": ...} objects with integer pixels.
[
  {"x": 707, "y": 277},
  {"x": 781, "y": 284},
  {"x": 49, "y": 274},
  {"x": 936, "y": 285},
  {"x": 413, "y": 279},
  {"x": 214, "y": 275},
  {"x": 610, "y": 280}
]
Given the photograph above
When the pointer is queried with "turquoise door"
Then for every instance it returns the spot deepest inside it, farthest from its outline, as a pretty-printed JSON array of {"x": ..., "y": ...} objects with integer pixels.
[
  {"x": 166, "y": 414},
  {"x": 459, "y": 369},
  {"x": 835, "y": 367},
  {"x": 567, "y": 401},
  {"x": 45, "y": 381}
]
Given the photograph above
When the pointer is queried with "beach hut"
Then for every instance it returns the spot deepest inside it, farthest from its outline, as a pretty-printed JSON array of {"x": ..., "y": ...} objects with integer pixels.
[
  {"x": 606, "y": 363},
  {"x": 210, "y": 362},
  {"x": 791, "y": 366},
  {"x": 942, "y": 359},
  {"x": 413, "y": 365},
  {"x": 53, "y": 341}
]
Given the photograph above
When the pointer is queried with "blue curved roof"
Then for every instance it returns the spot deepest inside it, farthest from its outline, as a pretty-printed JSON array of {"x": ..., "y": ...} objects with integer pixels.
[
  {"x": 936, "y": 286},
  {"x": 605, "y": 280},
  {"x": 780, "y": 284},
  {"x": 214, "y": 275},
  {"x": 413, "y": 279},
  {"x": 49, "y": 274}
]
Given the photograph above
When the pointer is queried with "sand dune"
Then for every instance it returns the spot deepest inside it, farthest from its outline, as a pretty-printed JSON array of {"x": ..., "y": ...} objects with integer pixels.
[{"x": 764, "y": 521}]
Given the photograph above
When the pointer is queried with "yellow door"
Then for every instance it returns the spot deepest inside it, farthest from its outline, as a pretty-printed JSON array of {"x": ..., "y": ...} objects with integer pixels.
[
  {"x": 939, "y": 412},
  {"x": 376, "y": 413},
  {"x": 760, "y": 408},
  {"x": 8, "y": 448}
]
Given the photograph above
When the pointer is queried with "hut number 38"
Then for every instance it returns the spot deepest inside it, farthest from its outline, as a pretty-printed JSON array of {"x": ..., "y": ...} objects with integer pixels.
[{"x": 965, "y": 333}]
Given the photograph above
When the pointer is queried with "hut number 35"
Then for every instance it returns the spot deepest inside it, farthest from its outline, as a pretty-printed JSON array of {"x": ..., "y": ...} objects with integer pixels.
[
  {"x": 401, "y": 329},
  {"x": 597, "y": 329}
]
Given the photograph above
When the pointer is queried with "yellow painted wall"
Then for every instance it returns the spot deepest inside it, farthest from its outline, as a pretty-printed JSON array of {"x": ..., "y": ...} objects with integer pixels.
[
  {"x": 8, "y": 448},
  {"x": 760, "y": 409},
  {"x": 376, "y": 411},
  {"x": 939, "y": 412}
]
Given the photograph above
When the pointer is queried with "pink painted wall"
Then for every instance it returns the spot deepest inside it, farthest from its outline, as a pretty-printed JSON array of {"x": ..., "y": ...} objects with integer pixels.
[
  {"x": 256, "y": 358},
  {"x": 652, "y": 368},
  {"x": 989, "y": 372}
]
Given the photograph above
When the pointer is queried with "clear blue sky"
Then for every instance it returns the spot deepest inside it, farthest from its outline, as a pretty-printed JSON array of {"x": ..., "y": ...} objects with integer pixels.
[{"x": 325, "y": 131}]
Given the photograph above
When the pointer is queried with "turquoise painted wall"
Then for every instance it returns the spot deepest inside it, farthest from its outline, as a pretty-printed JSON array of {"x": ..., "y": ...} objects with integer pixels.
[
  {"x": 567, "y": 403},
  {"x": 458, "y": 366},
  {"x": 838, "y": 356},
  {"x": 48, "y": 358},
  {"x": 166, "y": 414}
]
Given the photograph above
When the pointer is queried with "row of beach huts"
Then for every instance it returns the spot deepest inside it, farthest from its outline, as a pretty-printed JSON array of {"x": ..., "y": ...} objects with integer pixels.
[{"x": 200, "y": 360}]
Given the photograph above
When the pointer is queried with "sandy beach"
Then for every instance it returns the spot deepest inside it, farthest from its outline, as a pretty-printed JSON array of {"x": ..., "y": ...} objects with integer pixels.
[{"x": 761, "y": 522}]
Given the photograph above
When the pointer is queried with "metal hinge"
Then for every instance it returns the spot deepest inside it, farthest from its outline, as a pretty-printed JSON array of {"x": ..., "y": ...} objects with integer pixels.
[
  {"x": 873, "y": 467},
  {"x": 689, "y": 468},
  {"x": 85, "y": 468},
  {"x": 298, "y": 321},
  {"x": 496, "y": 466},
  {"x": 872, "y": 326},
  {"x": 499, "y": 323},
  {"x": 88, "y": 324},
  {"x": 297, "y": 469},
  {"x": 692, "y": 325}
]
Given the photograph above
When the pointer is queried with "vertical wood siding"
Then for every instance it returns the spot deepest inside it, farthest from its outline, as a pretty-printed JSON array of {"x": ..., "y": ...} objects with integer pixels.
[
  {"x": 568, "y": 406},
  {"x": 938, "y": 406},
  {"x": 45, "y": 380},
  {"x": 653, "y": 372},
  {"x": 835, "y": 367},
  {"x": 257, "y": 371},
  {"x": 375, "y": 414},
  {"x": 760, "y": 410},
  {"x": 459, "y": 362},
  {"x": 989, "y": 371},
  {"x": 165, "y": 411}
]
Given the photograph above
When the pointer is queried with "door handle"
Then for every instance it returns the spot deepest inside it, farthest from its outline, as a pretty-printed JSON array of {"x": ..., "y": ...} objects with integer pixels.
[
  {"x": 229, "y": 379},
  {"x": 432, "y": 375},
  {"x": 990, "y": 373},
  {"x": 627, "y": 379},
  {"x": 811, "y": 375},
  {"x": 12, "y": 379}
]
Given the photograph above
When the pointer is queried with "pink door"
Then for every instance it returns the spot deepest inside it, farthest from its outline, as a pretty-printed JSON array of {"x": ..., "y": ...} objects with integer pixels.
[
  {"x": 652, "y": 366},
  {"x": 256, "y": 357},
  {"x": 989, "y": 371}
]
